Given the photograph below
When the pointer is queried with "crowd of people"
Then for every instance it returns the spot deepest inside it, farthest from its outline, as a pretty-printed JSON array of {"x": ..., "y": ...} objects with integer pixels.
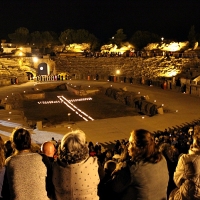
[{"x": 155, "y": 166}]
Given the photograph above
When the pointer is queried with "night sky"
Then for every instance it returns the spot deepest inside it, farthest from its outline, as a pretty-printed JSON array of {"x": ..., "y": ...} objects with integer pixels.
[{"x": 171, "y": 19}]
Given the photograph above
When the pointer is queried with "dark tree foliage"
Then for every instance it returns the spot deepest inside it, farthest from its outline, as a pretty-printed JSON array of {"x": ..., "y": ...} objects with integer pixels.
[
  {"x": 20, "y": 36},
  {"x": 141, "y": 39},
  {"x": 71, "y": 36},
  {"x": 192, "y": 37},
  {"x": 118, "y": 38}
]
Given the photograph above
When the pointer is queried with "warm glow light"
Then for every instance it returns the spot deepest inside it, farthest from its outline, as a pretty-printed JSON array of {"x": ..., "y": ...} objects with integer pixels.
[
  {"x": 118, "y": 71},
  {"x": 113, "y": 48},
  {"x": 48, "y": 102},
  {"x": 71, "y": 100},
  {"x": 171, "y": 73},
  {"x": 35, "y": 59}
]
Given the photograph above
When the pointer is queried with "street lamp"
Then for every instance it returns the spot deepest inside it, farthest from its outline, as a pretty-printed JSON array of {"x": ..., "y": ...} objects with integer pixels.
[
  {"x": 69, "y": 114},
  {"x": 162, "y": 38}
]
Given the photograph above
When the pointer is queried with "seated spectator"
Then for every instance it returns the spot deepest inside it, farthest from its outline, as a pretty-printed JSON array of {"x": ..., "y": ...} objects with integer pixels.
[
  {"x": 48, "y": 153},
  {"x": 49, "y": 150},
  {"x": 8, "y": 148},
  {"x": 2, "y": 165},
  {"x": 25, "y": 171},
  {"x": 75, "y": 173},
  {"x": 92, "y": 152},
  {"x": 145, "y": 176},
  {"x": 187, "y": 173},
  {"x": 104, "y": 192}
]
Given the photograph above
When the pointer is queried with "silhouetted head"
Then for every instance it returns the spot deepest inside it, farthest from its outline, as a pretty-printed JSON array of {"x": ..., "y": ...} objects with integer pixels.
[
  {"x": 21, "y": 139},
  {"x": 142, "y": 146},
  {"x": 48, "y": 149}
]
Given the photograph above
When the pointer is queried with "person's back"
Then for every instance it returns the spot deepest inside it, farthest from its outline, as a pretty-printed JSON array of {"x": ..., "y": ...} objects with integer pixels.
[
  {"x": 76, "y": 181},
  {"x": 75, "y": 173},
  {"x": 26, "y": 176},
  {"x": 187, "y": 173},
  {"x": 150, "y": 180},
  {"x": 25, "y": 171},
  {"x": 144, "y": 176}
]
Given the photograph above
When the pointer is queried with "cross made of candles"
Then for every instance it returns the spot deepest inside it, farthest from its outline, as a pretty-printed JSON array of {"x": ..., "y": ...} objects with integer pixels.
[{"x": 70, "y": 105}]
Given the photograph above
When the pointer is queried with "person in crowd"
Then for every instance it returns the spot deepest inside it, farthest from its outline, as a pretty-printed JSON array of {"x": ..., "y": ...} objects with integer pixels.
[
  {"x": 54, "y": 141},
  {"x": 104, "y": 192},
  {"x": 2, "y": 165},
  {"x": 49, "y": 150},
  {"x": 145, "y": 175},
  {"x": 25, "y": 176},
  {"x": 75, "y": 173},
  {"x": 187, "y": 173},
  {"x": 8, "y": 148},
  {"x": 178, "y": 84}
]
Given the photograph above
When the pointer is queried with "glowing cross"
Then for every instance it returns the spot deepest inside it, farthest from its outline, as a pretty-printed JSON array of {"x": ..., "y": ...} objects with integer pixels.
[{"x": 70, "y": 105}]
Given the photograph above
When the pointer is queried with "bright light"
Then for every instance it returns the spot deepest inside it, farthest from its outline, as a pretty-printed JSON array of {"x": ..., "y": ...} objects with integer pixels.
[
  {"x": 118, "y": 71},
  {"x": 35, "y": 59},
  {"x": 171, "y": 73}
]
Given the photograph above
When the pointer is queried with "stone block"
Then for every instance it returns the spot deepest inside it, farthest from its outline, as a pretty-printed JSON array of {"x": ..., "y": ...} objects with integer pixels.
[
  {"x": 8, "y": 107},
  {"x": 160, "y": 111},
  {"x": 39, "y": 125}
]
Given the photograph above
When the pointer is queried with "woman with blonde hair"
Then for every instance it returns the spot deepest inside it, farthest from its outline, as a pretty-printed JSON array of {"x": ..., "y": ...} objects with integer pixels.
[
  {"x": 187, "y": 173},
  {"x": 75, "y": 174}
]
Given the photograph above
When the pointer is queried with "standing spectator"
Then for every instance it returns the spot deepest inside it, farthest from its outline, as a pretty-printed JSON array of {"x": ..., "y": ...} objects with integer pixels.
[
  {"x": 25, "y": 171},
  {"x": 2, "y": 165},
  {"x": 187, "y": 173},
  {"x": 146, "y": 175},
  {"x": 178, "y": 84},
  {"x": 54, "y": 141},
  {"x": 75, "y": 174}
]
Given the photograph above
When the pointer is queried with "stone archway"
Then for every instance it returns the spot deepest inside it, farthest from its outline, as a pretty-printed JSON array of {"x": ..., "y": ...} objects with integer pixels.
[{"x": 42, "y": 69}]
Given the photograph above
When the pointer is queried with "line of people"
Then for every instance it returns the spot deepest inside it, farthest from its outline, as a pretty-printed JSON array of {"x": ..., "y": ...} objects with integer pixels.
[{"x": 74, "y": 169}]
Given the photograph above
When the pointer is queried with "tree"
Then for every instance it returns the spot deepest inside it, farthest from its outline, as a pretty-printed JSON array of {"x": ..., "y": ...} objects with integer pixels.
[
  {"x": 20, "y": 36},
  {"x": 66, "y": 37},
  {"x": 118, "y": 38},
  {"x": 141, "y": 39},
  {"x": 71, "y": 36},
  {"x": 46, "y": 40},
  {"x": 192, "y": 37},
  {"x": 36, "y": 39}
]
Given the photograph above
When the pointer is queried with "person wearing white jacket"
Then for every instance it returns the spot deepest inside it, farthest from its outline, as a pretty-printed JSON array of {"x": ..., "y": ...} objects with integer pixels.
[{"x": 187, "y": 173}]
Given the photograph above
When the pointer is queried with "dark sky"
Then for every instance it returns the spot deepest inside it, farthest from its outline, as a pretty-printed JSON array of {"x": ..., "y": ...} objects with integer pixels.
[{"x": 171, "y": 19}]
